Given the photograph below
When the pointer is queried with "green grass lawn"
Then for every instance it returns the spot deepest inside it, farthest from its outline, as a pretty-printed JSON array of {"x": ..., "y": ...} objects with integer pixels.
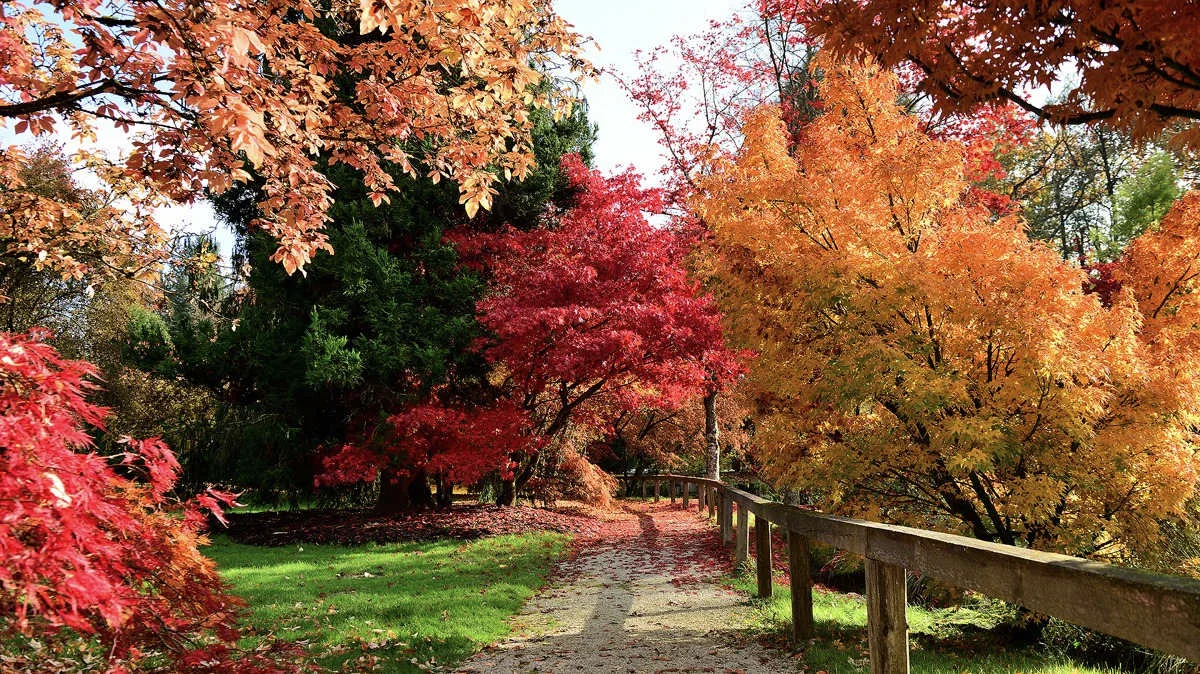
[
  {"x": 946, "y": 641},
  {"x": 414, "y": 606}
]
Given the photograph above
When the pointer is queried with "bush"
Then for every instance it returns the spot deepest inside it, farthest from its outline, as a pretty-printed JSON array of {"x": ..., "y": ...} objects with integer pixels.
[{"x": 100, "y": 561}]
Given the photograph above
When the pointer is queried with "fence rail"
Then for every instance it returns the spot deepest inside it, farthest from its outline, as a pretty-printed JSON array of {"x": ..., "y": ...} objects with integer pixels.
[{"x": 1153, "y": 610}]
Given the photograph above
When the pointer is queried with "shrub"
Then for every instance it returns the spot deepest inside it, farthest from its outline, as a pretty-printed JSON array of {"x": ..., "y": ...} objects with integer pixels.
[{"x": 100, "y": 560}]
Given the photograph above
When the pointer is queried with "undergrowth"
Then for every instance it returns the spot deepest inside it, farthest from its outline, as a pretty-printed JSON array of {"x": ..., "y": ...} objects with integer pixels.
[{"x": 942, "y": 641}]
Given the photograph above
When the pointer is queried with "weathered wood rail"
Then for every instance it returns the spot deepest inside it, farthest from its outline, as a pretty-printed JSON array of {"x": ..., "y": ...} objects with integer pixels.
[{"x": 1153, "y": 610}]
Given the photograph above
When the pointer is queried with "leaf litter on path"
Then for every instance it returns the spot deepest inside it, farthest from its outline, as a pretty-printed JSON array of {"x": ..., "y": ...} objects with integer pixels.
[{"x": 641, "y": 593}]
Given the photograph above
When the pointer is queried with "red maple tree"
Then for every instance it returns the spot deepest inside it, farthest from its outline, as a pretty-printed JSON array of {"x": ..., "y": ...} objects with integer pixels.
[
  {"x": 595, "y": 314},
  {"x": 95, "y": 543},
  {"x": 450, "y": 444}
]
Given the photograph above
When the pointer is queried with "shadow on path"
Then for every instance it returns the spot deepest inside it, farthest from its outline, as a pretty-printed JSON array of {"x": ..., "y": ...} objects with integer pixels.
[{"x": 637, "y": 600}]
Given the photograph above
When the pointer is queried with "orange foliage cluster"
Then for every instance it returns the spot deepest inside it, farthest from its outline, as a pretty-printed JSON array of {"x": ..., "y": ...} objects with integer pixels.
[
  {"x": 224, "y": 89},
  {"x": 922, "y": 360},
  {"x": 50, "y": 222},
  {"x": 1136, "y": 60}
]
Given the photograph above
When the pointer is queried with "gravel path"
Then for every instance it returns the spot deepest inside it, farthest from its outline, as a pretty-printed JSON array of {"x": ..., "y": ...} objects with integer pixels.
[{"x": 639, "y": 598}]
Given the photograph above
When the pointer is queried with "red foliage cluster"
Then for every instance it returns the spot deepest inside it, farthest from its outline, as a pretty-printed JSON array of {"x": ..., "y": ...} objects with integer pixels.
[
  {"x": 94, "y": 543},
  {"x": 459, "y": 445},
  {"x": 599, "y": 307},
  {"x": 350, "y": 463},
  {"x": 1102, "y": 280},
  {"x": 986, "y": 134}
]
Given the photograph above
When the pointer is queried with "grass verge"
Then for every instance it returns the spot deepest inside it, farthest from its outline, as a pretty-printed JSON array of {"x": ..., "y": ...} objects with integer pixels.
[
  {"x": 942, "y": 641},
  {"x": 402, "y": 607}
]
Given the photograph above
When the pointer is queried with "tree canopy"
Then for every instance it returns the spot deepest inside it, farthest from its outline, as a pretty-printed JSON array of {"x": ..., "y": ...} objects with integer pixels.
[
  {"x": 919, "y": 356},
  {"x": 1136, "y": 66}
]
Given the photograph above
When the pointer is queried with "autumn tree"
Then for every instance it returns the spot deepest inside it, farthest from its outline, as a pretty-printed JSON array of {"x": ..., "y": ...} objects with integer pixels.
[
  {"x": 593, "y": 315},
  {"x": 1137, "y": 66},
  {"x": 696, "y": 90},
  {"x": 923, "y": 361},
  {"x": 94, "y": 545},
  {"x": 56, "y": 231},
  {"x": 224, "y": 92},
  {"x": 674, "y": 439},
  {"x": 304, "y": 365}
]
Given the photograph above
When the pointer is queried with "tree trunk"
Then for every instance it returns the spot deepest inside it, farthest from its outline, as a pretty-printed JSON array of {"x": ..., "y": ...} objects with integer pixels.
[
  {"x": 509, "y": 489},
  {"x": 631, "y": 485},
  {"x": 507, "y": 494},
  {"x": 445, "y": 493},
  {"x": 401, "y": 494},
  {"x": 712, "y": 438}
]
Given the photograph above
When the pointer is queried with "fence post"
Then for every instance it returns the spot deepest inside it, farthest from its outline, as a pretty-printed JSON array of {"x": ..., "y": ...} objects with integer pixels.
[
  {"x": 741, "y": 548},
  {"x": 657, "y": 489},
  {"x": 762, "y": 553},
  {"x": 686, "y": 489},
  {"x": 887, "y": 625},
  {"x": 802, "y": 600},
  {"x": 726, "y": 518},
  {"x": 712, "y": 502},
  {"x": 671, "y": 490}
]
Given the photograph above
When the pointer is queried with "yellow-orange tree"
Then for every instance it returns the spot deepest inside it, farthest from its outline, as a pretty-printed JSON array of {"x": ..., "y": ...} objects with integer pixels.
[{"x": 924, "y": 362}]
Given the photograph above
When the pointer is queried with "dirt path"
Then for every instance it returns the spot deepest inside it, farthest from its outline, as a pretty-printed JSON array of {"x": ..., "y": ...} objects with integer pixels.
[{"x": 638, "y": 599}]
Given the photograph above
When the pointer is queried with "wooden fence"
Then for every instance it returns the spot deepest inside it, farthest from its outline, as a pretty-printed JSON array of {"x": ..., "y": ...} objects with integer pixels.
[{"x": 1152, "y": 610}]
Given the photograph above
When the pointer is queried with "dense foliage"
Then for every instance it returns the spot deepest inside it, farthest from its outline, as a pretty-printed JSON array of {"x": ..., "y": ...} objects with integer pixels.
[
  {"x": 1136, "y": 64},
  {"x": 95, "y": 543},
  {"x": 439, "y": 89},
  {"x": 923, "y": 361}
]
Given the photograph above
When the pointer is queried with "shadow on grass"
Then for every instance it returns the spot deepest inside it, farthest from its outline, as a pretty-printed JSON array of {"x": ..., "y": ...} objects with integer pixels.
[
  {"x": 411, "y": 606},
  {"x": 944, "y": 641}
]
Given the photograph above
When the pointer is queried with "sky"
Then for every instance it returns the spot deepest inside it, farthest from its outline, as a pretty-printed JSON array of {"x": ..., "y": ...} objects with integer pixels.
[{"x": 619, "y": 28}]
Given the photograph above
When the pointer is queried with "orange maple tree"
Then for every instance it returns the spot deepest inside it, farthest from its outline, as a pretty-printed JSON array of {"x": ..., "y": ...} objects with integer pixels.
[
  {"x": 1137, "y": 64},
  {"x": 923, "y": 361},
  {"x": 228, "y": 91},
  {"x": 49, "y": 221}
]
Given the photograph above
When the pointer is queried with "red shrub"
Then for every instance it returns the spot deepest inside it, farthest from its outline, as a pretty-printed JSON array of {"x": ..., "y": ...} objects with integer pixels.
[{"x": 93, "y": 543}]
